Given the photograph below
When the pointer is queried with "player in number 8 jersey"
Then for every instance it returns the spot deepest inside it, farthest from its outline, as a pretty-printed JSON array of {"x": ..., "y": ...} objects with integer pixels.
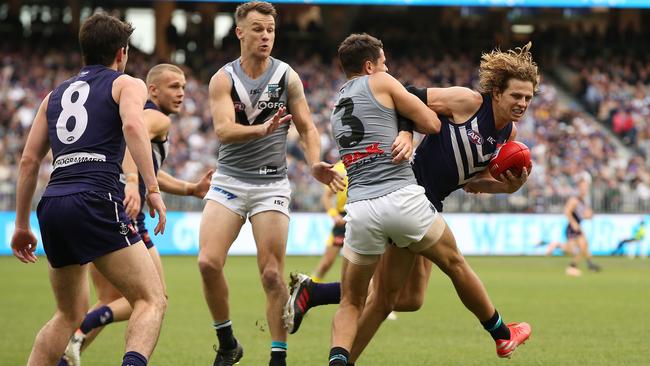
[{"x": 86, "y": 121}]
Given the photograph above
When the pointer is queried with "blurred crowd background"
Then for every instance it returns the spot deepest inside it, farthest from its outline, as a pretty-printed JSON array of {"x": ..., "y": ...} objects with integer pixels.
[{"x": 590, "y": 117}]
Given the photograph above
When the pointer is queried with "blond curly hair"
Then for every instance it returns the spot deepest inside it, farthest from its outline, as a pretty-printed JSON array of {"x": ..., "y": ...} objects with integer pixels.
[{"x": 498, "y": 67}]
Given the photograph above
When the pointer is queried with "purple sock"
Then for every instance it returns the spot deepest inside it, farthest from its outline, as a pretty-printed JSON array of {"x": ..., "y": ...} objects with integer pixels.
[
  {"x": 134, "y": 359},
  {"x": 96, "y": 318},
  {"x": 325, "y": 294}
]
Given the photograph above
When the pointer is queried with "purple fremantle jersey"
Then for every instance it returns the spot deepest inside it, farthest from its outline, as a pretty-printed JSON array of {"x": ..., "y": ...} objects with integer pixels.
[
  {"x": 444, "y": 162},
  {"x": 85, "y": 132}
]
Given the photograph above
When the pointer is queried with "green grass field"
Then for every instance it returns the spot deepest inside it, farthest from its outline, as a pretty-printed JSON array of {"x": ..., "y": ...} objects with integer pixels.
[{"x": 596, "y": 319}]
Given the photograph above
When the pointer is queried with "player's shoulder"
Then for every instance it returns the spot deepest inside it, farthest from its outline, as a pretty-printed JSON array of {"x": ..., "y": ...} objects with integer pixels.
[
  {"x": 128, "y": 81},
  {"x": 221, "y": 79}
]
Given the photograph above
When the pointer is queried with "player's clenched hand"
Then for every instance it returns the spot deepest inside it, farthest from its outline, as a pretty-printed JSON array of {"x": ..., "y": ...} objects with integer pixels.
[
  {"x": 514, "y": 183},
  {"x": 203, "y": 185},
  {"x": 325, "y": 173},
  {"x": 23, "y": 245},
  {"x": 402, "y": 148},
  {"x": 274, "y": 122},
  {"x": 132, "y": 199},
  {"x": 156, "y": 204}
]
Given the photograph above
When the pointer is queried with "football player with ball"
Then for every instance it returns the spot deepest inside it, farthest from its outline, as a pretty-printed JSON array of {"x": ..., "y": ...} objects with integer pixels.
[{"x": 474, "y": 125}]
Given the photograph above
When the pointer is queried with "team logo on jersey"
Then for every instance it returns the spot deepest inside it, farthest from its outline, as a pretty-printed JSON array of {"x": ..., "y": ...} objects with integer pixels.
[
  {"x": 239, "y": 107},
  {"x": 274, "y": 90},
  {"x": 475, "y": 137},
  {"x": 370, "y": 153},
  {"x": 263, "y": 104}
]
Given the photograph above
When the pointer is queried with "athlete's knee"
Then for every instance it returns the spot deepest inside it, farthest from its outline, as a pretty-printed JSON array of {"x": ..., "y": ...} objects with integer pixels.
[
  {"x": 271, "y": 279},
  {"x": 412, "y": 301},
  {"x": 382, "y": 303},
  {"x": 452, "y": 263},
  {"x": 209, "y": 266},
  {"x": 71, "y": 317}
]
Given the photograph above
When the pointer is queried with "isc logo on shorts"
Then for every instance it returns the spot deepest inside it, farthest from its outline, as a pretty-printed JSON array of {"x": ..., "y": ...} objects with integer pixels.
[{"x": 279, "y": 202}]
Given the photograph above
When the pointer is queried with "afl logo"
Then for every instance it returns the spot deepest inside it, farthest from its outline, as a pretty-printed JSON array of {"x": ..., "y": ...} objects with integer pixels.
[
  {"x": 239, "y": 107},
  {"x": 475, "y": 137}
]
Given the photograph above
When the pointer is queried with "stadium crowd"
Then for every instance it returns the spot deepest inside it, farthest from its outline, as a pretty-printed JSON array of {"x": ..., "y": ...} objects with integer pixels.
[{"x": 564, "y": 143}]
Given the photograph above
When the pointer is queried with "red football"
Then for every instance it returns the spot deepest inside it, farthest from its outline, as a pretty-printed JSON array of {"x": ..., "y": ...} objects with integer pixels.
[{"x": 513, "y": 156}]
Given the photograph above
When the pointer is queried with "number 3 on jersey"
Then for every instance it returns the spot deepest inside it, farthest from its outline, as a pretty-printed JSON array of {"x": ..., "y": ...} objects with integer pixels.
[
  {"x": 353, "y": 122},
  {"x": 73, "y": 109}
]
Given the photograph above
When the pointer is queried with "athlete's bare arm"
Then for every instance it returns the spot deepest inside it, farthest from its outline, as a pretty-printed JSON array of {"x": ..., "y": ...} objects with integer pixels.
[
  {"x": 223, "y": 114},
  {"x": 457, "y": 102},
  {"x": 483, "y": 182},
  {"x": 309, "y": 137},
  {"x": 131, "y": 94},
  {"x": 406, "y": 104},
  {"x": 23, "y": 242},
  {"x": 180, "y": 187}
]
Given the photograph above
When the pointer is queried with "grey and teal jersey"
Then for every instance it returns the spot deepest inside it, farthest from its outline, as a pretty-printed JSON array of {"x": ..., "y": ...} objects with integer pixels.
[
  {"x": 445, "y": 162},
  {"x": 365, "y": 131},
  {"x": 261, "y": 160},
  {"x": 85, "y": 133}
]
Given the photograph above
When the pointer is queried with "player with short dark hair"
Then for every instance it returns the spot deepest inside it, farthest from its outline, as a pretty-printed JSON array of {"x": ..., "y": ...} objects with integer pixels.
[
  {"x": 473, "y": 126},
  {"x": 166, "y": 86},
  {"x": 87, "y": 120},
  {"x": 384, "y": 200}
]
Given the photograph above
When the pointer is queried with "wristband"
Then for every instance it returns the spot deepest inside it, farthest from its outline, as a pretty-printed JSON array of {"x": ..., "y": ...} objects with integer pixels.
[
  {"x": 131, "y": 177},
  {"x": 333, "y": 212},
  {"x": 404, "y": 124},
  {"x": 153, "y": 189}
]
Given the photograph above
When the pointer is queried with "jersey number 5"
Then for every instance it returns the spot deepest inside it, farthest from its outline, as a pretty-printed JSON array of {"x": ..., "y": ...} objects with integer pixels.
[
  {"x": 353, "y": 122},
  {"x": 73, "y": 109}
]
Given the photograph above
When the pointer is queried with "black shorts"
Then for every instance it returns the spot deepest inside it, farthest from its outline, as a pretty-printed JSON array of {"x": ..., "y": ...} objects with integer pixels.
[
  {"x": 142, "y": 230},
  {"x": 80, "y": 227},
  {"x": 571, "y": 233}
]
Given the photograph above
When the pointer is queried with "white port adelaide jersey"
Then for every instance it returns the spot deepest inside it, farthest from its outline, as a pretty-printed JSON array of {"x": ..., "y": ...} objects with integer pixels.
[
  {"x": 261, "y": 160},
  {"x": 446, "y": 161},
  {"x": 365, "y": 131}
]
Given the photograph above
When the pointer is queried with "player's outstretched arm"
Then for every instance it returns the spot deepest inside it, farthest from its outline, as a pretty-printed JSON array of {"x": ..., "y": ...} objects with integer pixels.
[
  {"x": 181, "y": 187},
  {"x": 408, "y": 105},
  {"x": 456, "y": 101},
  {"x": 23, "y": 242},
  {"x": 222, "y": 109},
  {"x": 132, "y": 94}
]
